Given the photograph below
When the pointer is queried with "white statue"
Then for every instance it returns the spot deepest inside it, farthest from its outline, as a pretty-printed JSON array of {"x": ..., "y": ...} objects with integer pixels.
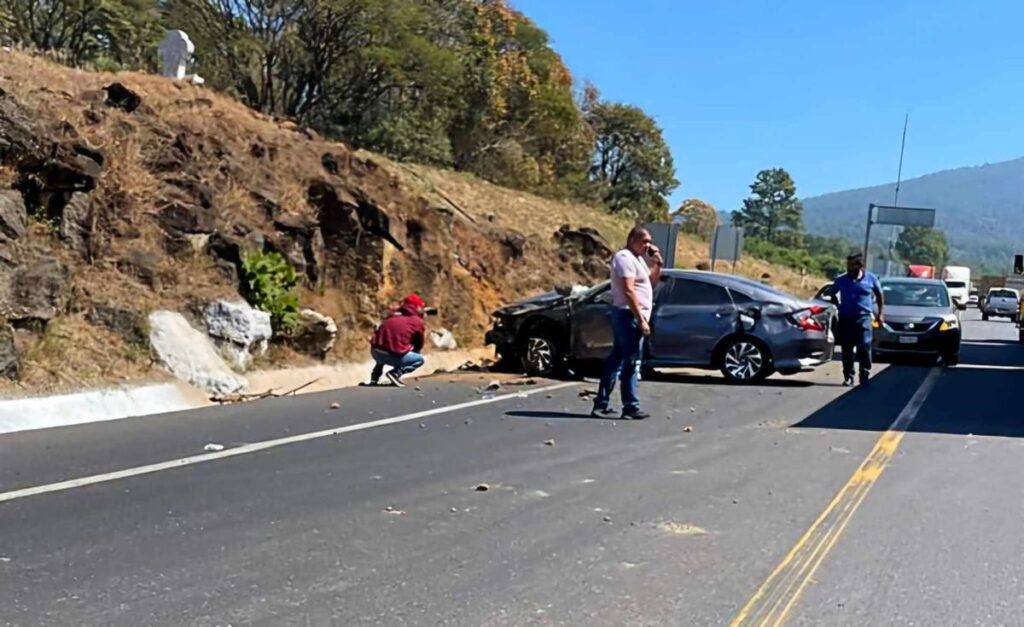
[{"x": 175, "y": 52}]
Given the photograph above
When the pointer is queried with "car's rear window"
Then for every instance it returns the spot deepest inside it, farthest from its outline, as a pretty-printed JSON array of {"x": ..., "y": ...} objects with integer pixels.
[{"x": 1002, "y": 294}]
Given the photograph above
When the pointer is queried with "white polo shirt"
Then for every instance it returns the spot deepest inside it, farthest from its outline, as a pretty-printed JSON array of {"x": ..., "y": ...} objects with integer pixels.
[{"x": 625, "y": 265}]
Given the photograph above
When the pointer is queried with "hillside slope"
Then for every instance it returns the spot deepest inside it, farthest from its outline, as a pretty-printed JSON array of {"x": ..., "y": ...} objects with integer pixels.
[
  {"x": 980, "y": 208},
  {"x": 129, "y": 206}
]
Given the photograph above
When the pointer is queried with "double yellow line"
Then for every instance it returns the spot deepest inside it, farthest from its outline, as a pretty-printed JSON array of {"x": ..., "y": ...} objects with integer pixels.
[{"x": 775, "y": 599}]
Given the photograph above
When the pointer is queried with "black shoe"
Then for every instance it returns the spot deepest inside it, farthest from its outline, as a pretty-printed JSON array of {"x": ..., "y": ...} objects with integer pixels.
[
  {"x": 395, "y": 379},
  {"x": 602, "y": 413},
  {"x": 635, "y": 414},
  {"x": 848, "y": 381},
  {"x": 865, "y": 379}
]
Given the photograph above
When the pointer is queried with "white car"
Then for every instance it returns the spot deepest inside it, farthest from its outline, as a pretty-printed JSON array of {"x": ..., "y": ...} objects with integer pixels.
[{"x": 1001, "y": 302}]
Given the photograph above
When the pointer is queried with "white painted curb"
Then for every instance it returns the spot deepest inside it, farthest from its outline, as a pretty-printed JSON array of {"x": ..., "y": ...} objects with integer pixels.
[{"x": 24, "y": 414}]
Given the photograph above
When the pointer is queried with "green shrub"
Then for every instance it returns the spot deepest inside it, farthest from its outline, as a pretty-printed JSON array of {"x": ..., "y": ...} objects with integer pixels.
[{"x": 269, "y": 280}]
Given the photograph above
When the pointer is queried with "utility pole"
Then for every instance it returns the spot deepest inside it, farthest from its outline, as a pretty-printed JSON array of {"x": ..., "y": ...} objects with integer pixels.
[{"x": 896, "y": 197}]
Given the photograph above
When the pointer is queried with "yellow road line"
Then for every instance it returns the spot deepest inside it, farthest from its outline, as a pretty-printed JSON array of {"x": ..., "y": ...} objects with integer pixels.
[{"x": 775, "y": 598}]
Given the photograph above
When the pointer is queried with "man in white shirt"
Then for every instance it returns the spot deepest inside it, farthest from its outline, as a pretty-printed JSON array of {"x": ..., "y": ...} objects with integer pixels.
[{"x": 632, "y": 290}]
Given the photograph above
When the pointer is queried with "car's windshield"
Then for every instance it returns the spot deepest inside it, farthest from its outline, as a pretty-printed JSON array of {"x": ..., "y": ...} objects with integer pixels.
[
  {"x": 592, "y": 291},
  {"x": 914, "y": 295},
  {"x": 956, "y": 284},
  {"x": 1002, "y": 294}
]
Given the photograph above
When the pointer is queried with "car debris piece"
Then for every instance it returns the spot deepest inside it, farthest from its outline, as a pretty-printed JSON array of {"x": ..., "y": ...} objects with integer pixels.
[
  {"x": 493, "y": 386},
  {"x": 213, "y": 448},
  {"x": 687, "y": 429},
  {"x": 549, "y": 442},
  {"x": 483, "y": 487},
  {"x": 335, "y": 405}
]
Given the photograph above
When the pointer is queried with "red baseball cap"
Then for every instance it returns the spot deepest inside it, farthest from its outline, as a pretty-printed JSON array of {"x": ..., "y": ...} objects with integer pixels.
[{"x": 414, "y": 301}]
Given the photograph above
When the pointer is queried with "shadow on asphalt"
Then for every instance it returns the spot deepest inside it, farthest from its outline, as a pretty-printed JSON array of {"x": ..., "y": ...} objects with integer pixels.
[
  {"x": 553, "y": 415},
  {"x": 979, "y": 399},
  {"x": 775, "y": 381}
]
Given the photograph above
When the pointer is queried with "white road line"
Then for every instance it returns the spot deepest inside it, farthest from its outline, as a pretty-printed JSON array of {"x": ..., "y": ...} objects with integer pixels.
[
  {"x": 255, "y": 447},
  {"x": 986, "y": 367}
]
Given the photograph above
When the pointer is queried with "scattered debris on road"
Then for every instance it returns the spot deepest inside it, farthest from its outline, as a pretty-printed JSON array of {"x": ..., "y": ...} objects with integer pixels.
[
  {"x": 519, "y": 382},
  {"x": 483, "y": 487},
  {"x": 693, "y": 410},
  {"x": 687, "y": 429},
  {"x": 493, "y": 386},
  {"x": 391, "y": 510},
  {"x": 213, "y": 448},
  {"x": 423, "y": 425},
  {"x": 584, "y": 394},
  {"x": 549, "y": 442},
  {"x": 335, "y": 405},
  {"x": 454, "y": 510},
  {"x": 468, "y": 421},
  {"x": 681, "y": 529},
  {"x": 607, "y": 519},
  {"x": 232, "y": 399}
]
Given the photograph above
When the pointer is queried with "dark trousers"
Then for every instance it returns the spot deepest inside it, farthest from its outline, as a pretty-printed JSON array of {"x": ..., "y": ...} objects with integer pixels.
[
  {"x": 855, "y": 339},
  {"x": 623, "y": 362}
]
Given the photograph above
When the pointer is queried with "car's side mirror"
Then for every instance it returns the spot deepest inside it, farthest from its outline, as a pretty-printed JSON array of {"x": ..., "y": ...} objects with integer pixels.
[
  {"x": 753, "y": 312},
  {"x": 961, "y": 305}
]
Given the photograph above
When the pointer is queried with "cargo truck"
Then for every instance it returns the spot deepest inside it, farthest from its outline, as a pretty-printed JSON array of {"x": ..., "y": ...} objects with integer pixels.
[{"x": 958, "y": 282}]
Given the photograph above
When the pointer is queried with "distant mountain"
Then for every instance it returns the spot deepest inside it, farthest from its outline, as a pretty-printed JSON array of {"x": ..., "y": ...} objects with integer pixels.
[{"x": 981, "y": 209}]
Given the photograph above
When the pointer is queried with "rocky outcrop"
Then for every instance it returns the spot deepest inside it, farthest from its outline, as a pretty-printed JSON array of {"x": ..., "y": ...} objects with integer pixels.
[
  {"x": 190, "y": 355},
  {"x": 36, "y": 291},
  {"x": 9, "y": 357},
  {"x": 316, "y": 334},
  {"x": 13, "y": 217},
  {"x": 240, "y": 332},
  {"x": 585, "y": 249},
  {"x": 123, "y": 98}
]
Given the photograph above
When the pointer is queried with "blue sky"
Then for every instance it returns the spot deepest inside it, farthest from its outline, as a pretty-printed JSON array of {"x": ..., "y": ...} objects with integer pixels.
[{"x": 819, "y": 88}]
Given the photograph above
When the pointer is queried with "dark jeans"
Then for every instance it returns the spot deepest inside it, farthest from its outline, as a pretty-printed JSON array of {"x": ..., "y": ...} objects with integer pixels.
[
  {"x": 622, "y": 363},
  {"x": 402, "y": 364},
  {"x": 855, "y": 338}
]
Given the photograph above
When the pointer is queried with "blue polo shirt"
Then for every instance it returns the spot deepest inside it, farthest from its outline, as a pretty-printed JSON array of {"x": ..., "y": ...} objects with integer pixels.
[{"x": 856, "y": 296}]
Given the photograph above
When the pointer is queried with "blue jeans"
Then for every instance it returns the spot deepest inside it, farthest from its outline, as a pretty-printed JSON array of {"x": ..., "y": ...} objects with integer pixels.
[
  {"x": 622, "y": 363},
  {"x": 402, "y": 364},
  {"x": 855, "y": 338}
]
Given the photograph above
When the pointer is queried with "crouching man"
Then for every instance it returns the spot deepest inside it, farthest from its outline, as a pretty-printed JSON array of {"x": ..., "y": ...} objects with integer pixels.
[{"x": 398, "y": 340}]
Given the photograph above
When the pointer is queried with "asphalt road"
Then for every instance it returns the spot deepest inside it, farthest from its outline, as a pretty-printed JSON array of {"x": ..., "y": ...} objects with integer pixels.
[{"x": 791, "y": 502}]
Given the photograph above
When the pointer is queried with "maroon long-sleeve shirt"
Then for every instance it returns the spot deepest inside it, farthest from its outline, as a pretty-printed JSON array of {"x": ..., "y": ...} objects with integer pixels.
[{"x": 400, "y": 333}]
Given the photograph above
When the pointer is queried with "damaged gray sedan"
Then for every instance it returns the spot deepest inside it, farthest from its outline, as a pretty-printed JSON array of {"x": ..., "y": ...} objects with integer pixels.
[{"x": 701, "y": 320}]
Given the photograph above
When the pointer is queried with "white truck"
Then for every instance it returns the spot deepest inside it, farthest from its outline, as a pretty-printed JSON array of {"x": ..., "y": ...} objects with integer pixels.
[{"x": 958, "y": 282}]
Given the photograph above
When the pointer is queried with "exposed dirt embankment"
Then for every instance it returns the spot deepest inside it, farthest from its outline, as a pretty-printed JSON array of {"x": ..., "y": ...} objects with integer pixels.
[{"x": 126, "y": 193}]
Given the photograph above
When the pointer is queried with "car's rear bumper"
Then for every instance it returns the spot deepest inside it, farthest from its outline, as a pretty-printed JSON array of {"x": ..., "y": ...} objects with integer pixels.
[{"x": 803, "y": 353}]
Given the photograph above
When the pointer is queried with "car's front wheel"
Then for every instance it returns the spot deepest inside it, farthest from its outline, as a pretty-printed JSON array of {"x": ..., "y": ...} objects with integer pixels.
[
  {"x": 951, "y": 359},
  {"x": 745, "y": 360},
  {"x": 984, "y": 317},
  {"x": 539, "y": 354}
]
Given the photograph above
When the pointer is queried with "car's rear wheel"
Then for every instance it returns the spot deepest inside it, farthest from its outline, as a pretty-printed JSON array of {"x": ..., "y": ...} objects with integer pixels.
[
  {"x": 745, "y": 360},
  {"x": 539, "y": 354}
]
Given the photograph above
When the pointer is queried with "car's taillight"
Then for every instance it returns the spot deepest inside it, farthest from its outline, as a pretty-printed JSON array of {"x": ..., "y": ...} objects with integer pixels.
[{"x": 805, "y": 318}]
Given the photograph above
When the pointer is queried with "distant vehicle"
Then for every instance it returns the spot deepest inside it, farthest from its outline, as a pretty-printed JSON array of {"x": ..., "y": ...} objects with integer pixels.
[
  {"x": 920, "y": 319},
  {"x": 921, "y": 272},
  {"x": 972, "y": 298},
  {"x": 701, "y": 320},
  {"x": 1001, "y": 302},
  {"x": 958, "y": 280}
]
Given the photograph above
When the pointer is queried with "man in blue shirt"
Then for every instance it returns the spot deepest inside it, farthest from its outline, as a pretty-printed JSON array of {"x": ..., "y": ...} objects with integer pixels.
[{"x": 858, "y": 292}]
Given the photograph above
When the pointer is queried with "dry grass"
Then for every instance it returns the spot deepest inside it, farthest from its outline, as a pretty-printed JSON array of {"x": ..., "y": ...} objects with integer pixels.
[{"x": 73, "y": 354}]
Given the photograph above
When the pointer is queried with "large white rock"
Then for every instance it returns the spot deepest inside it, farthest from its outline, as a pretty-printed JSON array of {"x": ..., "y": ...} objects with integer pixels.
[
  {"x": 175, "y": 52},
  {"x": 240, "y": 331},
  {"x": 316, "y": 333},
  {"x": 442, "y": 339},
  {"x": 190, "y": 355}
]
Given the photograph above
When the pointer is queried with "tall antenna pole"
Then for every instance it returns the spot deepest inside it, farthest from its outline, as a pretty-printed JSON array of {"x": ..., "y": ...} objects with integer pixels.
[
  {"x": 896, "y": 196},
  {"x": 899, "y": 172}
]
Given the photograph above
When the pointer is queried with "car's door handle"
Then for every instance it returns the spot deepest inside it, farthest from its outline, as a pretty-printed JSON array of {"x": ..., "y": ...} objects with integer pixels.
[{"x": 724, "y": 311}]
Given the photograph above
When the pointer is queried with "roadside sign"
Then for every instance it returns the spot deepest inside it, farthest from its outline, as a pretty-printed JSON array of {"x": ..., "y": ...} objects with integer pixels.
[
  {"x": 896, "y": 216},
  {"x": 904, "y": 216},
  {"x": 726, "y": 244},
  {"x": 665, "y": 236}
]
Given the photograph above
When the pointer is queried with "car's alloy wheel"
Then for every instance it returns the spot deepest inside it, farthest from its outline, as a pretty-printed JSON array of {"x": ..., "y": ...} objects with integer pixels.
[
  {"x": 540, "y": 356},
  {"x": 744, "y": 361}
]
